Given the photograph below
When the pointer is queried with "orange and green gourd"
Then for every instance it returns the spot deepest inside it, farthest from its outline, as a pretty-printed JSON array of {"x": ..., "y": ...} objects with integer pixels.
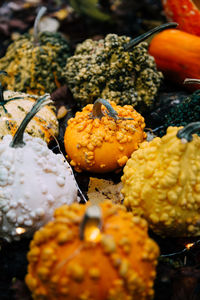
[
  {"x": 161, "y": 182},
  {"x": 34, "y": 63},
  {"x": 92, "y": 252},
  {"x": 102, "y": 136},
  {"x": 13, "y": 108}
]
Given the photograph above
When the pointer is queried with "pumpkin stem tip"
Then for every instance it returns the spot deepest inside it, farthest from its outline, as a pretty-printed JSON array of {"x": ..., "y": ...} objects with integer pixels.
[
  {"x": 191, "y": 80},
  {"x": 93, "y": 219},
  {"x": 41, "y": 12},
  {"x": 187, "y": 132},
  {"x": 98, "y": 113}
]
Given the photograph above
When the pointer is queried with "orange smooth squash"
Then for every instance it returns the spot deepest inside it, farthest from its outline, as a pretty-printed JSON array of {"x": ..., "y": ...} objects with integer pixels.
[{"x": 177, "y": 55}]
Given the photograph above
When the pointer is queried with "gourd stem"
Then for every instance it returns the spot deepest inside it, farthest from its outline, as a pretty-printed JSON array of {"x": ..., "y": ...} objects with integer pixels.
[
  {"x": 97, "y": 112},
  {"x": 1, "y": 94},
  {"x": 17, "y": 140},
  {"x": 186, "y": 132},
  {"x": 93, "y": 215},
  {"x": 144, "y": 36},
  {"x": 3, "y": 102},
  {"x": 191, "y": 80},
  {"x": 41, "y": 12}
]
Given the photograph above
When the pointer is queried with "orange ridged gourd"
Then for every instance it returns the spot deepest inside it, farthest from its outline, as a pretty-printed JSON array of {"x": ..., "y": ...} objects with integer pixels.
[
  {"x": 100, "y": 142},
  {"x": 119, "y": 265}
]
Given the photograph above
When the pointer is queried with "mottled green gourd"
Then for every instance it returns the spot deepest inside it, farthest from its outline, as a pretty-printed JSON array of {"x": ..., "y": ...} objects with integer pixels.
[
  {"x": 34, "y": 63},
  {"x": 114, "y": 68},
  {"x": 183, "y": 113}
]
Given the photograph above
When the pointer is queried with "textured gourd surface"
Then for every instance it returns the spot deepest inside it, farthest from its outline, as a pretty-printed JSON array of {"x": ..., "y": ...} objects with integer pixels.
[
  {"x": 33, "y": 182},
  {"x": 120, "y": 266},
  {"x": 103, "y": 69},
  {"x": 43, "y": 125},
  {"x": 35, "y": 69},
  {"x": 181, "y": 114},
  {"x": 161, "y": 182},
  {"x": 103, "y": 145}
]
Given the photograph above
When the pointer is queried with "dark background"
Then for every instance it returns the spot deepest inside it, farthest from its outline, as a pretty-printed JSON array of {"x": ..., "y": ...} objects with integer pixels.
[{"x": 178, "y": 275}]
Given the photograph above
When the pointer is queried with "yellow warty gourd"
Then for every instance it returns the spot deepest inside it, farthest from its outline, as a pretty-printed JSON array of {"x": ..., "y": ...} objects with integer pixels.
[{"x": 161, "y": 182}]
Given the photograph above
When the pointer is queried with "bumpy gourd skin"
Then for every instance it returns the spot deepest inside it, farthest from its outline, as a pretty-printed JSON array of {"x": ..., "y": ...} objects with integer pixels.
[
  {"x": 33, "y": 182},
  {"x": 35, "y": 69},
  {"x": 104, "y": 69},
  {"x": 120, "y": 266},
  {"x": 103, "y": 145},
  {"x": 161, "y": 182},
  {"x": 185, "y": 112}
]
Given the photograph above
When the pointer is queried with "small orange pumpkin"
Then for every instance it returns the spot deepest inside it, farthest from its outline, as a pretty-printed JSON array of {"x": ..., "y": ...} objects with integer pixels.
[
  {"x": 99, "y": 142},
  {"x": 96, "y": 252}
]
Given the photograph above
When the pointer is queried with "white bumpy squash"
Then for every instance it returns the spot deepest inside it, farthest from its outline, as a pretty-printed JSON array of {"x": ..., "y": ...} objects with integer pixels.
[{"x": 33, "y": 181}]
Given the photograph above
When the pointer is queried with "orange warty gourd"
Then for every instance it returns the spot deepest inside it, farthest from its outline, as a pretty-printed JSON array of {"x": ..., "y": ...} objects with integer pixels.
[
  {"x": 185, "y": 12},
  {"x": 92, "y": 252},
  {"x": 101, "y": 142},
  {"x": 177, "y": 55}
]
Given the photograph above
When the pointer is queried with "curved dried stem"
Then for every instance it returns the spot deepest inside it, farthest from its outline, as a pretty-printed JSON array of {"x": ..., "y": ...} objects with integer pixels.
[
  {"x": 98, "y": 113},
  {"x": 187, "y": 132},
  {"x": 17, "y": 140},
  {"x": 41, "y": 12},
  {"x": 191, "y": 81},
  {"x": 134, "y": 42}
]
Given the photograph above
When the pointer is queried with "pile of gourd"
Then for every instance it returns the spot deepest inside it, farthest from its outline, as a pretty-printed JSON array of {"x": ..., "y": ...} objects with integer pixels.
[{"x": 88, "y": 251}]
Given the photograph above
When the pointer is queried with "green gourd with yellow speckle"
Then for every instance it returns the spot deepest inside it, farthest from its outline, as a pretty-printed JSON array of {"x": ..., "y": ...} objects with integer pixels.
[
  {"x": 115, "y": 68},
  {"x": 34, "y": 62}
]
